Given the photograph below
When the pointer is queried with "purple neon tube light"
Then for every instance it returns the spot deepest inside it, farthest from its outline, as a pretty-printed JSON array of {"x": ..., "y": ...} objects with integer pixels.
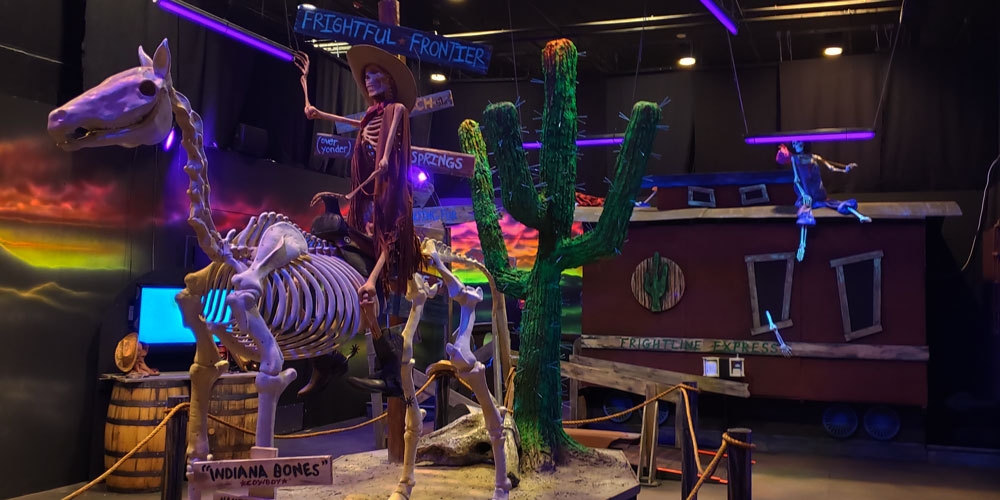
[
  {"x": 608, "y": 141},
  {"x": 205, "y": 19},
  {"x": 720, "y": 15},
  {"x": 813, "y": 136}
]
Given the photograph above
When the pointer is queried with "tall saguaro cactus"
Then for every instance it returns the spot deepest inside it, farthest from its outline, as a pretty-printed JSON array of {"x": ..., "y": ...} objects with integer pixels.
[{"x": 548, "y": 208}]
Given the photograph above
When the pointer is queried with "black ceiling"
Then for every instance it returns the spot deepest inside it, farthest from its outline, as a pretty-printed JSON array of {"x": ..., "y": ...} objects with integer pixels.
[{"x": 612, "y": 32}]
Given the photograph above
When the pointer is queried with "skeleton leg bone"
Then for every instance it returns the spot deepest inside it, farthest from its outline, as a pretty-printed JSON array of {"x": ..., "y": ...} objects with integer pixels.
[
  {"x": 417, "y": 293},
  {"x": 472, "y": 372}
]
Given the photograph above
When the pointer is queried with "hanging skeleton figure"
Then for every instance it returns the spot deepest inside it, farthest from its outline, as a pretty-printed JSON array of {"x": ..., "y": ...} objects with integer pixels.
[
  {"x": 290, "y": 297},
  {"x": 809, "y": 189},
  {"x": 381, "y": 197}
]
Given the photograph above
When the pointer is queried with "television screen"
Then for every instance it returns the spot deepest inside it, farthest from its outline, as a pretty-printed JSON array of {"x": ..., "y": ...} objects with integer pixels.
[{"x": 160, "y": 318}]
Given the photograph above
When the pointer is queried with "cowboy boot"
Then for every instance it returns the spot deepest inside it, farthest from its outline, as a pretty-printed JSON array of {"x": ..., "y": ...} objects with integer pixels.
[
  {"x": 386, "y": 380},
  {"x": 324, "y": 369}
]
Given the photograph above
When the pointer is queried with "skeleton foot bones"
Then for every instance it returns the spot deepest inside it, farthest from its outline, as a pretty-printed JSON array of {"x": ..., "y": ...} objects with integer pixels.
[{"x": 468, "y": 369}]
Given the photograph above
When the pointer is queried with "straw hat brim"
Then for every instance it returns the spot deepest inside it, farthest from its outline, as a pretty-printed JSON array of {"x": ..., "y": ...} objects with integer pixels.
[
  {"x": 361, "y": 56},
  {"x": 127, "y": 352}
]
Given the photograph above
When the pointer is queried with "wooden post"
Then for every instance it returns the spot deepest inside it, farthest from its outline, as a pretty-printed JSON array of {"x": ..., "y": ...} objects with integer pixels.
[
  {"x": 376, "y": 398},
  {"x": 575, "y": 412},
  {"x": 689, "y": 469},
  {"x": 175, "y": 446},
  {"x": 396, "y": 422},
  {"x": 739, "y": 466},
  {"x": 441, "y": 402},
  {"x": 648, "y": 439}
]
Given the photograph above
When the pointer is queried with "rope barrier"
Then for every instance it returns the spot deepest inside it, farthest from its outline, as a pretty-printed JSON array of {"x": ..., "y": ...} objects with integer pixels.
[
  {"x": 636, "y": 407},
  {"x": 727, "y": 440},
  {"x": 102, "y": 477},
  {"x": 326, "y": 432},
  {"x": 183, "y": 406}
]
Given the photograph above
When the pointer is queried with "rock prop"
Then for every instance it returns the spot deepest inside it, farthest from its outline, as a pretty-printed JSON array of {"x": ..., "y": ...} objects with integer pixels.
[{"x": 465, "y": 442}]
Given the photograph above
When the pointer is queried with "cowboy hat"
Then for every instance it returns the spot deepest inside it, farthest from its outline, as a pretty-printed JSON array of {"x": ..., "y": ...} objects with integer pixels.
[
  {"x": 127, "y": 352},
  {"x": 361, "y": 56}
]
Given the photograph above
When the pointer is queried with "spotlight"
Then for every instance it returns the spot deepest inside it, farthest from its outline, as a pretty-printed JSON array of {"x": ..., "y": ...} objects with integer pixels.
[
  {"x": 833, "y": 51},
  {"x": 421, "y": 176},
  {"x": 438, "y": 77},
  {"x": 169, "y": 143},
  {"x": 686, "y": 61},
  {"x": 307, "y": 6}
]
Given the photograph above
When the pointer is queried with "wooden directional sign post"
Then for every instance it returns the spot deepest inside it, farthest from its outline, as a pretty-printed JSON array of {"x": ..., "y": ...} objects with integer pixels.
[
  {"x": 425, "y": 104},
  {"x": 329, "y": 25},
  {"x": 260, "y": 475},
  {"x": 434, "y": 160}
]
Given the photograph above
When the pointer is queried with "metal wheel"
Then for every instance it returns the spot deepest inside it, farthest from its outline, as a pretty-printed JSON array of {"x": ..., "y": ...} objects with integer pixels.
[
  {"x": 882, "y": 422},
  {"x": 840, "y": 421}
]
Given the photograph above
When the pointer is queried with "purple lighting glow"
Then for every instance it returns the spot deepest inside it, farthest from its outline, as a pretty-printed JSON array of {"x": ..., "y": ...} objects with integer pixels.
[
  {"x": 720, "y": 15},
  {"x": 818, "y": 135},
  {"x": 422, "y": 177},
  {"x": 608, "y": 141},
  {"x": 233, "y": 31},
  {"x": 169, "y": 143}
]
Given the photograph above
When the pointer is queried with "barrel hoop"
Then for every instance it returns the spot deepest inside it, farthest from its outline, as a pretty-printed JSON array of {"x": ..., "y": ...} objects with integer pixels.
[
  {"x": 137, "y": 473},
  {"x": 244, "y": 411},
  {"x": 151, "y": 384},
  {"x": 143, "y": 423},
  {"x": 234, "y": 397},
  {"x": 139, "y": 454},
  {"x": 138, "y": 403}
]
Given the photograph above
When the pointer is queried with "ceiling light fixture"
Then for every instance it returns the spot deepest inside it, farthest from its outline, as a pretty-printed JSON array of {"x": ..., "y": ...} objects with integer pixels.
[
  {"x": 438, "y": 77},
  {"x": 686, "y": 61},
  {"x": 833, "y": 51},
  {"x": 816, "y": 135},
  {"x": 219, "y": 25},
  {"x": 720, "y": 15}
]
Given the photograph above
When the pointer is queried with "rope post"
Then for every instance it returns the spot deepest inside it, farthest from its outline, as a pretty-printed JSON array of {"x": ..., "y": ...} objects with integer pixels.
[
  {"x": 376, "y": 397},
  {"x": 648, "y": 439},
  {"x": 441, "y": 401},
  {"x": 576, "y": 410},
  {"x": 395, "y": 424},
  {"x": 739, "y": 466},
  {"x": 689, "y": 468},
  {"x": 175, "y": 446}
]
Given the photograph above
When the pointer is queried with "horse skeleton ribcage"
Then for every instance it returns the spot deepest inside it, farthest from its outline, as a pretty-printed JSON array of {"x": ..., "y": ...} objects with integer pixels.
[{"x": 309, "y": 304}]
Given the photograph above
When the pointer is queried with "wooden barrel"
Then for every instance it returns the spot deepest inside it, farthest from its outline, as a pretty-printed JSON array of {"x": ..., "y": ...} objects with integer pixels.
[
  {"x": 136, "y": 407},
  {"x": 234, "y": 399}
]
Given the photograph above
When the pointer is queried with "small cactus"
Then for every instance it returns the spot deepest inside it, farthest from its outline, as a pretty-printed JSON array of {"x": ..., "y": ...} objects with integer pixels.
[{"x": 656, "y": 280}]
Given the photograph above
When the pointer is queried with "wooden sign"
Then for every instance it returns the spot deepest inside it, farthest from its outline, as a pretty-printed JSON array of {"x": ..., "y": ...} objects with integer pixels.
[
  {"x": 333, "y": 146},
  {"x": 425, "y": 104},
  {"x": 658, "y": 283},
  {"x": 445, "y": 162},
  {"x": 433, "y": 160},
  {"x": 445, "y": 215},
  {"x": 757, "y": 347},
  {"x": 262, "y": 472},
  {"x": 328, "y": 25}
]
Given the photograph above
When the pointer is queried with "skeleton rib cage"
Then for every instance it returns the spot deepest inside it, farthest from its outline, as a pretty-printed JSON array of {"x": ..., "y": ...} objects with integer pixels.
[{"x": 309, "y": 304}]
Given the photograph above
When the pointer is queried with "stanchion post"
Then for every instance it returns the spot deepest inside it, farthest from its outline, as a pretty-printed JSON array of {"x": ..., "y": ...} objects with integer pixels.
[
  {"x": 689, "y": 468},
  {"x": 739, "y": 466},
  {"x": 395, "y": 424},
  {"x": 441, "y": 401},
  {"x": 175, "y": 446},
  {"x": 648, "y": 439}
]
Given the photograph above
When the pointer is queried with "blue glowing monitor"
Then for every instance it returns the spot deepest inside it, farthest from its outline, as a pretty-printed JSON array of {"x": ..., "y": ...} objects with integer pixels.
[{"x": 160, "y": 318}]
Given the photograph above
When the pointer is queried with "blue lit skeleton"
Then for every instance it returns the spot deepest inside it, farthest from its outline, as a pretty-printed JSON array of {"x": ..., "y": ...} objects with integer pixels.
[{"x": 810, "y": 191}]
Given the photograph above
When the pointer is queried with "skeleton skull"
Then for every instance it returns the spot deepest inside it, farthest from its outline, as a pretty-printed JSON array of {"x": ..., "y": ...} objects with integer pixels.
[
  {"x": 127, "y": 109},
  {"x": 377, "y": 81}
]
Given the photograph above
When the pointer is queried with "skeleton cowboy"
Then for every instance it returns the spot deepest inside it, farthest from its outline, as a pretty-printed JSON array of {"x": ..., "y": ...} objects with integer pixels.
[{"x": 381, "y": 198}]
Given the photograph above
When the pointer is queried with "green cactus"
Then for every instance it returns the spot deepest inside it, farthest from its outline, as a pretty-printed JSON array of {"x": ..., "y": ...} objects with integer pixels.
[
  {"x": 549, "y": 209},
  {"x": 655, "y": 281}
]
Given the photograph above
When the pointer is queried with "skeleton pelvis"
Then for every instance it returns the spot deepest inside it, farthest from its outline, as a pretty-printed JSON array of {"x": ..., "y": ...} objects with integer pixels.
[{"x": 280, "y": 244}]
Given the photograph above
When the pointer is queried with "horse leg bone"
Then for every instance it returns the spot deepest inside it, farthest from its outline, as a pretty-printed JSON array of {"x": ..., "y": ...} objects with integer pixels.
[{"x": 417, "y": 294}]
